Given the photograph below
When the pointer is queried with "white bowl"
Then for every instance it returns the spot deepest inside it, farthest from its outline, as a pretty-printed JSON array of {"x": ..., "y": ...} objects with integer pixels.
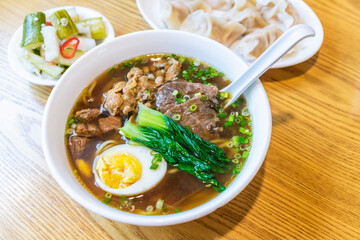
[
  {"x": 95, "y": 62},
  {"x": 150, "y": 10},
  {"x": 14, "y": 44}
]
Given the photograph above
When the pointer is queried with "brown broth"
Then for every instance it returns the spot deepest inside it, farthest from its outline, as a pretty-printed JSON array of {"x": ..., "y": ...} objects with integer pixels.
[{"x": 178, "y": 189}]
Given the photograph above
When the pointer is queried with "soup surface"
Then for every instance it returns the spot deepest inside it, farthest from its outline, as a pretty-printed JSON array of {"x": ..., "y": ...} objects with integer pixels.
[{"x": 185, "y": 90}]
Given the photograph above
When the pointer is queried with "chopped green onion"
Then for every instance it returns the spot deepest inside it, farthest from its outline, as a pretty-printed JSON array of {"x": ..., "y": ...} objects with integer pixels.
[
  {"x": 238, "y": 166},
  {"x": 229, "y": 144},
  {"x": 179, "y": 100},
  {"x": 175, "y": 92},
  {"x": 75, "y": 171},
  {"x": 235, "y": 140},
  {"x": 187, "y": 127},
  {"x": 231, "y": 118},
  {"x": 154, "y": 166},
  {"x": 106, "y": 200},
  {"x": 237, "y": 149},
  {"x": 205, "y": 82},
  {"x": 147, "y": 91},
  {"x": 227, "y": 124},
  {"x": 166, "y": 210},
  {"x": 236, "y": 171},
  {"x": 242, "y": 140},
  {"x": 224, "y": 94},
  {"x": 197, "y": 94},
  {"x": 245, "y": 154},
  {"x": 221, "y": 110},
  {"x": 176, "y": 117},
  {"x": 149, "y": 208},
  {"x": 122, "y": 198},
  {"x": 181, "y": 59},
  {"x": 159, "y": 204},
  {"x": 177, "y": 210},
  {"x": 153, "y": 152},
  {"x": 222, "y": 115},
  {"x": 242, "y": 130},
  {"x": 173, "y": 55},
  {"x": 236, "y": 160},
  {"x": 193, "y": 108},
  {"x": 108, "y": 195},
  {"x": 157, "y": 158},
  {"x": 204, "y": 98},
  {"x": 238, "y": 155},
  {"x": 111, "y": 70},
  {"x": 186, "y": 97},
  {"x": 71, "y": 121}
]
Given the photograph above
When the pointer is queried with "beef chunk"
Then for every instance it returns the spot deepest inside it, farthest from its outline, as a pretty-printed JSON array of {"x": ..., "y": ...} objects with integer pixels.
[
  {"x": 78, "y": 144},
  {"x": 88, "y": 130},
  {"x": 109, "y": 124},
  {"x": 202, "y": 121},
  {"x": 165, "y": 100},
  {"x": 88, "y": 114},
  {"x": 174, "y": 69}
]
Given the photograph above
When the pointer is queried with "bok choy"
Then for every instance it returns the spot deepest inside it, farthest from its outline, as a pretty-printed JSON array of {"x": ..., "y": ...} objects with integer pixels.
[{"x": 180, "y": 147}]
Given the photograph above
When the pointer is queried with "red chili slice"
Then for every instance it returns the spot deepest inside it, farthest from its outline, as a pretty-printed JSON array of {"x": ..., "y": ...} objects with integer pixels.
[
  {"x": 48, "y": 24},
  {"x": 68, "y": 49}
]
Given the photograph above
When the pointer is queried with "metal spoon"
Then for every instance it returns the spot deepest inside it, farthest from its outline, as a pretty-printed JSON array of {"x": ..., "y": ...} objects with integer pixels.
[{"x": 281, "y": 46}]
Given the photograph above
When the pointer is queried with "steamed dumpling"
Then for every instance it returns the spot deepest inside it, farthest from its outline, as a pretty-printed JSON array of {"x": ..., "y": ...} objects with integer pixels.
[
  {"x": 243, "y": 12},
  {"x": 213, "y": 27},
  {"x": 276, "y": 12},
  {"x": 254, "y": 44},
  {"x": 222, "y": 5},
  {"x": 174, "y": 12}
]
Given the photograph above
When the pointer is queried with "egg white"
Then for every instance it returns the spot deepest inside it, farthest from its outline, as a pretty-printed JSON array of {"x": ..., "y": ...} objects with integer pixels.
[{"x": 149, "y": 178}]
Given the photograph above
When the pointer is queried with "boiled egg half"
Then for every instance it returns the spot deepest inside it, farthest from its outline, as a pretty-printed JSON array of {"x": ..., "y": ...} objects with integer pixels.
[{"x": 125, "y": 170}]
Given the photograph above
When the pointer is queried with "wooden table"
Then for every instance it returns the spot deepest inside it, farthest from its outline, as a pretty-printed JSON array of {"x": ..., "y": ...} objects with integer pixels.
[{"x": 308, "y": 187}]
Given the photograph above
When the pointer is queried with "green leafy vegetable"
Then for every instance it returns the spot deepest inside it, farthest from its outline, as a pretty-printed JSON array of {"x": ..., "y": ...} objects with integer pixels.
[{"x": 179, "y": 146}]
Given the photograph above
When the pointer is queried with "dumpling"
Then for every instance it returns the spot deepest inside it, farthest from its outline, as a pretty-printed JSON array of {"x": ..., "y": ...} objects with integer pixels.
[
  {"x": 254, "y": 44},
  {"x": 276, "y": 12},
  {"x": 243, "y": 12},
  {"x": 222, "y": 5},
  {"x": 174, "y": 12},
  {"x": 213, "y": 27},
  {"x": 250, "y": 18}
]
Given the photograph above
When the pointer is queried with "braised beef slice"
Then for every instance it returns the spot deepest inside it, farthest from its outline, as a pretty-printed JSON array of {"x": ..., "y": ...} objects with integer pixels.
[
  {"x": 165, "y": 100},
  {"x": 202, "y": 121},
  {"x": 88, "y": 114},
  {"x": 78, "y": 144},
  {"x": 88, "y": 130},
  {"x": 109, "y": 124}
]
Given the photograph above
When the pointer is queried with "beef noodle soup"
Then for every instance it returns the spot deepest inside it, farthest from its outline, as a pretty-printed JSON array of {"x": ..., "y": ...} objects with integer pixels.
[{"x": 177, "y": 146}]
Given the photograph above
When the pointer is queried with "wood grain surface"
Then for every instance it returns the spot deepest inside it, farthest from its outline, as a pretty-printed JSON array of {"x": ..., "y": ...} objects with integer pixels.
[{"x": 307, "y": 188}]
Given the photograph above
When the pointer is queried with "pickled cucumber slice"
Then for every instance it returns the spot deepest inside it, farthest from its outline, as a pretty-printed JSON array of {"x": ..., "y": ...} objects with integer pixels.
[
  {"x": 65, "y": 26},
  {"x": 97, "y": 27},
  {"x": 39, "y": 62},
  {"x": 32, "y": 37}
]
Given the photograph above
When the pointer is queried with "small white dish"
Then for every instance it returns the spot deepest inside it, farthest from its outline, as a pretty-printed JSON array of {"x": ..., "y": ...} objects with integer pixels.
[
  {"x": 306, "y": 48},
  {"x": 14, "y": 46},
  {"x": 95, "y": 62}
]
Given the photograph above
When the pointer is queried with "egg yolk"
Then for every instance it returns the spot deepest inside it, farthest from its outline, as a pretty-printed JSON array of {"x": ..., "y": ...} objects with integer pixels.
[{"x": 118, "y": 170}]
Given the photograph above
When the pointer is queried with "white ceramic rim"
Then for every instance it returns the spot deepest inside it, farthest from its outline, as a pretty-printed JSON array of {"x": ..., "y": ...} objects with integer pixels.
[
  {"x": 16, "y": 63},
  {"x": 309, "y": 46},
  {"x": 94, "y": 205}
]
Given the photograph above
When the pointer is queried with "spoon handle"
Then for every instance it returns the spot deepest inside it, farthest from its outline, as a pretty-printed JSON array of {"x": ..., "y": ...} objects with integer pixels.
[{"x": 281, "y": 46}]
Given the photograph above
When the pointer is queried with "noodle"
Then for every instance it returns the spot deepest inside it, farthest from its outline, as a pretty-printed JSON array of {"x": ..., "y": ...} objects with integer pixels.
[{"x": 104, "y": 146}]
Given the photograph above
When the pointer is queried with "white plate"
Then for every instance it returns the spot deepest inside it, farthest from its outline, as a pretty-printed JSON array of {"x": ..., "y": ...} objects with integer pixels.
[
  {"x": 150, "y": 10},
  {"x": 14, "y": 46}
]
